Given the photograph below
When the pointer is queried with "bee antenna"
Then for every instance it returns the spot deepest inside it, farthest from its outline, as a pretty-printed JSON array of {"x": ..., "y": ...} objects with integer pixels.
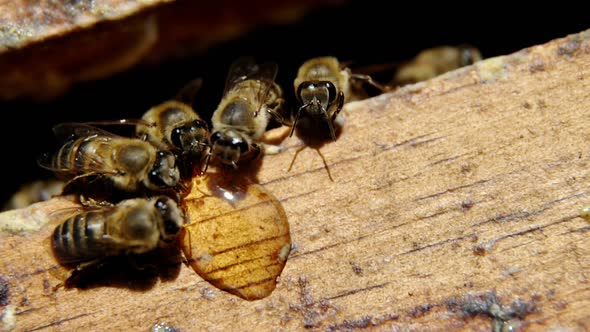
[
  {"x": 297, "y": 118},
  {"x": 207, "y": 159},
  {"x": 330, "y": 125},
  {"x": 182, "y": 187}
]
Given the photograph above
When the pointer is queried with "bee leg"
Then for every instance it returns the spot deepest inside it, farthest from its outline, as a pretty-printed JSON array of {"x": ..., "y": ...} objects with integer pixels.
[
  {"x": 81, "y": 272},
  {"x": 339, "y": 106},
  {"x": 252, "y": 154},
  {"x": 74, "y": 184},
  {"x": 332, "y": 121},
  {"x": 272, "y": 149},
  {"x": 138, "y": 266},
  {"x": 370, "y": 80},
  {"x": 85, "y": 265},
  {"x": 58, "y": 286},
  {"x": 91, "y": 202},
  {"x": 207, "y": 159},
  {"x": 276, "y": 113},
  {"x": 175, "y": 193},
  {"x": 301, "y": 148}
]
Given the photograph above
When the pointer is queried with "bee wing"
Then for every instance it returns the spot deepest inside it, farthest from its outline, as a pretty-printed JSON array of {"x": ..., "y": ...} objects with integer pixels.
[
  {"x": 245, "y": 68},
  {"x": 74, "y": 130},
  {"x": 68, "y": 131},
  {"x": 266, "y": 74},
  {"x": 123, "y": 122},
  {"x": 70, "y": 211},
  {"x": 92, "y": 165},
  {"x": 98, "y": 249},
  {"x": 188, "y": 92},
  {"x": 46, "y": 161},
  {"x": 239, "y": 71}
]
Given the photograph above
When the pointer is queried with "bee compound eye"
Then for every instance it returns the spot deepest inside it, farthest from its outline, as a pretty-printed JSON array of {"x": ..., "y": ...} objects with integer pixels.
[
  {"x": 241, "y": 144},
  {"x": 171, "y": 227},
  {"x": 331, "y": 91},
  {"x": 162, "y": 204},
  {"x": 302, "y": 88},
  {"x": 176, "y": 136},
  {"x": 215, "y": 137},
  {"x": 165, "y": 207},
  {"x": 155, "y": 178}
]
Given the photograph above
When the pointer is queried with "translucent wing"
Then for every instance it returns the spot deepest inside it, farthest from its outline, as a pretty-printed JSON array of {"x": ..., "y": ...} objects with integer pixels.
[
  {"x": 245, "y": 68},
  {"x": 188, "y": 92},
  {"x": 91, "y": 163},
  {"x": 267, "y": 72},
  {"x": 239, "y": 71},
  {"x": 64, "y": 213},
  {"x": 120, "y": 122},
  {"x": 68, "y": 131}
]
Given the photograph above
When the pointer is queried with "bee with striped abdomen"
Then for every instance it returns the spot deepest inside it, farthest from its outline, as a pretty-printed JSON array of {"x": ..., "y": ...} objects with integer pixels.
[
  {"x": 88, "y": 153},
  {"x": 133, "y": 226},
  {"x": 435, "y": 61}
]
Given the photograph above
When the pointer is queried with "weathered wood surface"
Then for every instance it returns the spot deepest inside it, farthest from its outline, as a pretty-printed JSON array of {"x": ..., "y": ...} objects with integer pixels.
[
  {"x": 48, "y": 46},
  {"x": 455, "y": 206}
]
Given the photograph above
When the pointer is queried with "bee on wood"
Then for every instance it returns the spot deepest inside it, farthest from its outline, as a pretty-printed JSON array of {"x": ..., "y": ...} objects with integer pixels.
[
  {"x": 435, "y": 61},
  {"x": 131, "y": 165},
  {"x": 174, "y": 125},
  {"x": 250, "y": 100},
  {"x": 322, "y": 87},
  {"x": 133, "y": 226},
  {"x": 33, "y": 192}
]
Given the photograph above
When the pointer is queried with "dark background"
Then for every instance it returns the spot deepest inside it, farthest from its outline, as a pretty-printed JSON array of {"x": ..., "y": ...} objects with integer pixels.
[{"x": 365, "y": 32}]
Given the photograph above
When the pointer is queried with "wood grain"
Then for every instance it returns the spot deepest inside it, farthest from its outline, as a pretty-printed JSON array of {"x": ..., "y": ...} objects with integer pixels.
[
  {"x": 46, "y": 47},
  {"x": 455, "y": 206}
]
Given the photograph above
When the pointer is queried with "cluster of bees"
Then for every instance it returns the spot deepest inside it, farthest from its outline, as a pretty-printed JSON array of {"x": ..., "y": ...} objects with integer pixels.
[{"x": 132, "y": 187}]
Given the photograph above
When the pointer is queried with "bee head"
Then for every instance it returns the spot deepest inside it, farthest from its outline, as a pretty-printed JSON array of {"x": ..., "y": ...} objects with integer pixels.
[
  {"x": 316, "y": 96},
  {"x": 228, "y": 146},
  {"x": 191, "y": 138},
  {"x": 171, "y": 220},
  {"x": 164, "y": 173}
]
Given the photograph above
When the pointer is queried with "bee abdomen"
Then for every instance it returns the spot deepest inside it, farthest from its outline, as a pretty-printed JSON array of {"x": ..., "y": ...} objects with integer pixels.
[
  {"x": 70, "y": 156},
  {"x": 74, "y": 241}
]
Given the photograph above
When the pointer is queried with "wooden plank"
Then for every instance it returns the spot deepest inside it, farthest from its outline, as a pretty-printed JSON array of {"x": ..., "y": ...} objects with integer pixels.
[
  {"x": 47, "y": 47},
  {"x": 455, "y": 206}
]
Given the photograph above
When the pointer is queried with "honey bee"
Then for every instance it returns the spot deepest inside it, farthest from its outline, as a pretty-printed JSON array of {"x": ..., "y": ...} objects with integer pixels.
[
  {"x": 89, "y": 153},
  {"x": 250, "y": 100},
  {"x": 174, "y": 126},
  {"x": 435, "y": 61},
  {"x": 322, "y": 87},
  {"x": 33, "y": 192},
  {"x": 135, "y": 226}
]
